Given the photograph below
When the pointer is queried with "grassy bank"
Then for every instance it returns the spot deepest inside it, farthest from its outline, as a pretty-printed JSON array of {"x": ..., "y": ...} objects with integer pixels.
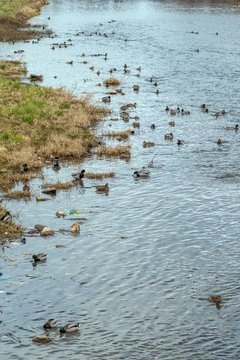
[
  {"x": 13, "y": 19},
  {"x": 38, "y": 123}
]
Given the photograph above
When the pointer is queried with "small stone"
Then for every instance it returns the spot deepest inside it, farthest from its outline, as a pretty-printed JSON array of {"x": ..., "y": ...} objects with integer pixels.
[
  {"x": 75, "y": 228},
  {"x": 46, "y": 231}
]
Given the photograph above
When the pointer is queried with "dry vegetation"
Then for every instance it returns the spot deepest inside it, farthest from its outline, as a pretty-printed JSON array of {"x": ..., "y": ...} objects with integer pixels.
[
  {"x": 13, "y": 19},
  {"x": 120, "y": 151},
  {"x": 18, "y": 195},
  {"x": 60, "y": 185},
  {"x": 124, "y": 135},
  {"x": 99, "y": 176},
  {"x": 38, "y": 123}
]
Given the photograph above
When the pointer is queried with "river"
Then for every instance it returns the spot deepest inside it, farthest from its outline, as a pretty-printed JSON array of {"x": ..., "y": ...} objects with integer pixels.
[{"x": 150, "y": 253}]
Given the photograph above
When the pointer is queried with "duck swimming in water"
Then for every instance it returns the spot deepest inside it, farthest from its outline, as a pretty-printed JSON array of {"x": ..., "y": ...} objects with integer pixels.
[
  {"x": 102, "y": 188},
  {"x": 39, "y": 258},
  {"x": 50, "y": 324},
  {"x": 168, "y": 136},
  {"x": 79, "y": 175},
  {"x": 143, "y": 173},
  {"x": 69, "y": 328}
]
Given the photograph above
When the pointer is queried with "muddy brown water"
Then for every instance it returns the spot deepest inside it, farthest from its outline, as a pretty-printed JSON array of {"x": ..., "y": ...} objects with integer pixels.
[{"x": 151, "y": 251}]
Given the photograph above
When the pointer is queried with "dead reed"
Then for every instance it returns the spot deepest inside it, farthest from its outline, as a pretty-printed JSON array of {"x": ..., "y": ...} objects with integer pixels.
[
  {"x": 124, "y": 135},
  {"x": 59, "y": 185},
  {"x": 99, "y": 176},
  {"x": 114, "y": 151}
]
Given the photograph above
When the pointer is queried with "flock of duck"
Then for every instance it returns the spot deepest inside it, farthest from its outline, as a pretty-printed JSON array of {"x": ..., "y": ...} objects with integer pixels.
[{"x": 144, "y": 172}]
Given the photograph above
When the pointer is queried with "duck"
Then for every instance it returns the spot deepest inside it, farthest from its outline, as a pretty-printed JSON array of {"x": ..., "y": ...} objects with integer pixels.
[
  {"x": 173, "y": 112},
  {"x": 185, "y": 112},
  {"x": 56, "y": 161},
  {"x": 50, "y": 324},
  {"x": 106, "y": 99},
  {"x": 180, "y": 142},
  {"x": 168, "y": 136},
  {"x": 23, "y": 168},
  {"x": 26, "y": 188},
  {"x": 68, "y": 328},
  {"x": 153, "y": 126},
  {"x": 236, "y": 127},
  {"x": 147, "y": 144},
  {"x": 136, "y": 87},
  {"x": 220, "y": 113},
  {"x": 6, "y": 218},
  {"x": 39, "y": 257},
  {"x": 172, "y": 123},
  {"x": 102, "y": 188},
  {"x": 143, "y": 173},
  {"x": 217, "y": 300},
  {"x": 219, "y": 141},
  {"x": 167, "y": 108},
  {"x": 79, "y": 175}
]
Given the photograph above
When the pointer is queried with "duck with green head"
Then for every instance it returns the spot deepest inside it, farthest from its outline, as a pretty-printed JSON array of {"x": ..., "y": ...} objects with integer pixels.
[{"x": 68, "y": 328}]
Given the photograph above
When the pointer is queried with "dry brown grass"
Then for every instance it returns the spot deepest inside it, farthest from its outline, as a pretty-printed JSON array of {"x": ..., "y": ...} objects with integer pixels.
[
  {"x": 114, "y": 151},
  {"x": 10, "y": 230},
  {"x": 13, "y": 16},
  {"x": 124, "y": 135},
  {"x": 111, "y": 82},
  {"x": 99, "y": 176},
  {"x": 37, "y": 123},
  {"x": 18, "y": 195},
  {"x": 59, "y": 185}
]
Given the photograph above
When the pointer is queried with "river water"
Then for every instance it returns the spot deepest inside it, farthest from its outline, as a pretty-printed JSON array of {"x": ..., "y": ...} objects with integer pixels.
[{"x": 150, "y": 253}]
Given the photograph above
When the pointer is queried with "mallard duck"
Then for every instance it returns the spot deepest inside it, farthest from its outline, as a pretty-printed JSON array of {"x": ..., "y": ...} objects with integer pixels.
[
  {"x": 185, "y": 112},
  {"x": 216, "y": 299},
  {"x": 147, "y": 144},
  {"x": 39, "y": 257},
  {"x": 56, "y": 161},
  {"x": 68, "y": 328},
  {"x": 180, "y": 142},
  {"x": 173, "y": 112},
  {"x": 6, "y": 218},
  {"x": 136, "y": 87},
  {"x": 220, "y": 113},
  {"x": 42, "y": 339},
  {"x": 78, "y": 175},
  {"x": 172, "y": 123},
  {"x": 23, "y": 168},
  {"x": 50, "y": 324},
  {"x": 106, "y": 99},
  {"x": 102, "y": 188},
  {"x": 143, "y": 173},
  {"x": 26, "y": 188},
  {"x": 168, "y": 136}
]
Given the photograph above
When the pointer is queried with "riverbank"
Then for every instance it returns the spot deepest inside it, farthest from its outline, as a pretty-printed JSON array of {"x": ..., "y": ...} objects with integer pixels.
[
  {"x": 35, "y": 121},
  {"x": 13, "y": 19}
]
